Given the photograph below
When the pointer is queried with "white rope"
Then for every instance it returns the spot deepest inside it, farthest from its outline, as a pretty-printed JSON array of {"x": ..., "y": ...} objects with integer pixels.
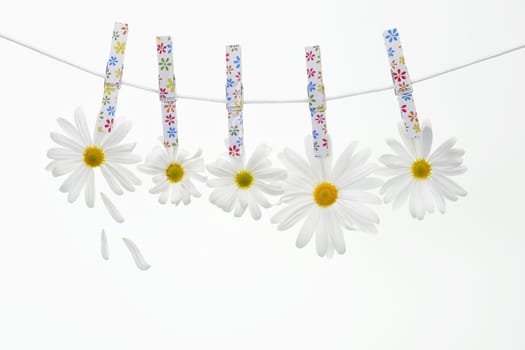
[{"x": 263, "y": 101}]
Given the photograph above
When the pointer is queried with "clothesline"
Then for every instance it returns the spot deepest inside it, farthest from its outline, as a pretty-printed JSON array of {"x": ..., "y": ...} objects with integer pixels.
[{"x": 263, "y": 101}]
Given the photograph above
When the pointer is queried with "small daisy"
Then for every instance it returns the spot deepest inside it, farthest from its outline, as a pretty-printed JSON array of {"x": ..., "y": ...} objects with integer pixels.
[
  {"x": 81, "y": 155},
  {"x": 329, "y": 199},
  {"x": 173, "y": 171},
  {"x": 420, "y": 175},
  {"x": 241, "y": 184}
]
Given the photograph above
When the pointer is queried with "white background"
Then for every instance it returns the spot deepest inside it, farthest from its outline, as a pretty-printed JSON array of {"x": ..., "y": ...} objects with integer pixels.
[{"x": 453, "y": 281}]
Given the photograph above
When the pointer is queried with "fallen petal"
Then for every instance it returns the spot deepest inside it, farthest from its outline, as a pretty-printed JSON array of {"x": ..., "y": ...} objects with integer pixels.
[
  {"x": 113, "y": 211},
  {"x": 104, "y": 245},
  {"x": 137, "y": 256}
]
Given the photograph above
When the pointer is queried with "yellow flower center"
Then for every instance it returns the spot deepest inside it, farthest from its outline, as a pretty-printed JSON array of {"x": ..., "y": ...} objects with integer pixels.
[
  {"x": 325, "y": 194},
  {"x": 94, "y": 156},
  {"x": 174, "y": 172},
  {"x": 421, "y": 169},
  {"x": 244, "y": 179}
]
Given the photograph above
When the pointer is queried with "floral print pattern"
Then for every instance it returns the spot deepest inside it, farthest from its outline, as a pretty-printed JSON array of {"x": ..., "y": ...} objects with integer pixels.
[
  {"x": 234, "y": 100},
  {"x": 167, "y": 94},
  {"x": 402, "y": 82},
  {"x": 316, "y": 100},
  {"x": 112, "y": 82}
]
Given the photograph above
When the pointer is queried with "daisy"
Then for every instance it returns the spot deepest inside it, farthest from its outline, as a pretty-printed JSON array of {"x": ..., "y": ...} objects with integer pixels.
[
  {"x": 328, "y": 199},
  {"x": 421, "y": 175},
  {"x": 241, "y": 184},
  {"x": 80, "y": 155},
  {"x": 173, "y": 171}
]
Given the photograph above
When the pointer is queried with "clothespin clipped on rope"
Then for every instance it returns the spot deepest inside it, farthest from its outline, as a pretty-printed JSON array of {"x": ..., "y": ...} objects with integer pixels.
[
  {"x": 112, "y": 82},
  {"x": 317, "y": 102},
  {"x": 167, "y": 94},
  {"x": 402, "y": 83},
  {"x": 234, "y": 101}
]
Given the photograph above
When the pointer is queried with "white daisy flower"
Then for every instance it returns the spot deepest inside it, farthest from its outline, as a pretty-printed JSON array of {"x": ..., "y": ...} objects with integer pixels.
[
  {"x": 420, "y": 175},
  {"x": 173, "y": 171},
  {"x": 81, "y": 155},
  {"x": 241, "y": 184},
  {"x": 329, "y": 199}
]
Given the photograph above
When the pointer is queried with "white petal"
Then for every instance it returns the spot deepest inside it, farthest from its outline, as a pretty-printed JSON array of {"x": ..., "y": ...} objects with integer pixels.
[
  {"x": 115, "y": 187},
  {"x": 77, "y": 186},
  {"x": 122, "y": 148},
  {"x": 362, "y": 212},
  {"x": 359, "y": 196},
  {"x": 224, "y": 198},
  {"x": 68, "y": 128},
  {"x": 403, "y": 195},
  {"x": 90, "y": 189},
  {"x": 63, "y": 154},
  {"x": 72, "y": 179},
  {"x": 426, "y": 139},
  {"x": 368, "y": 183},
  {"x": 296, "y": 164},
  {"x": 409, "y": 144},
  {"x": 80, "y": 121},
  {"x": 438, "y": 197},
  {"x": 449, "y": 185},
  {"x": 112, "y": 209},
  {"x": 393, "y": 161},
  {"x": 220, "y": 182},
  {"x": 118, "y": 134},
  {"x": 294, "y": 215},
  {"x": 445, "y": 146},
  {"x": 255, "y": 211},
  {"x": 160, "y": 187},
  {"x": 65, "y": 141},
  {"x": 136, "y": 254},
  {"x": 261, "y": 152},
  {"x": 355, "y": 174},
  {"x": 400, "y": 151},
  {"x": 260, "y": 198},
  {"x": 341, "y": 165},
  {"x": 321, "y": 236},
  {"x": 417, "y": 208},
  {"x": 164, "y": 196},
  {"x": 335, "y": 232},
  {"x": 308, "y": 228},
  {"x": 271, "y": 189},
  {"x": 176, "y": 195},
  {"x": 63, "y": 167},
  {"x": 270, "y": 174},
  {"x": 146, "y": 169},
  {"x": 123, "y": 158},
  {"x": 125, "y": 172},
  {"x": 428, "y": 201},
  {"x": 241, "y": 204},
  {"x": 449, "y": 171},
  {"x": 104, "y": 251}
]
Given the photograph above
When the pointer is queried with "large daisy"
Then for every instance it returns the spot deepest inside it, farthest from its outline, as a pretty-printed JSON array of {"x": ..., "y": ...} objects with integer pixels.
[
  {"x": 80, "y": 155},
  {"x": 328, "y": 199},
  {"x": 173, "y": 171},
  {"x": 241, "y": 184},
  {"x": 421, "y": 175}
]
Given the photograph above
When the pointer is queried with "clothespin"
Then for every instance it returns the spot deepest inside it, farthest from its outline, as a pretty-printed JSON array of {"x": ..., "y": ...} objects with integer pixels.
[
  {"x": 234, "y": 101},
  {"x": 317, "y": 102},
  {"x": 402, "y": 83},
  {"x": 112, "y": 82},
  {"x": 167, "y": 93}
]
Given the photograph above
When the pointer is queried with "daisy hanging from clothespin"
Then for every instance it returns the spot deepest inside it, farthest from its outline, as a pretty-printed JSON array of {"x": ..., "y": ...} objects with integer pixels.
[
  {"x": 241, "y": 183},
  {"x": 172, "y": 168},
  {"x": 414, "y": 171},
  {"x": 81, "y": 154},
  {"x": 327, "y": 198}
]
